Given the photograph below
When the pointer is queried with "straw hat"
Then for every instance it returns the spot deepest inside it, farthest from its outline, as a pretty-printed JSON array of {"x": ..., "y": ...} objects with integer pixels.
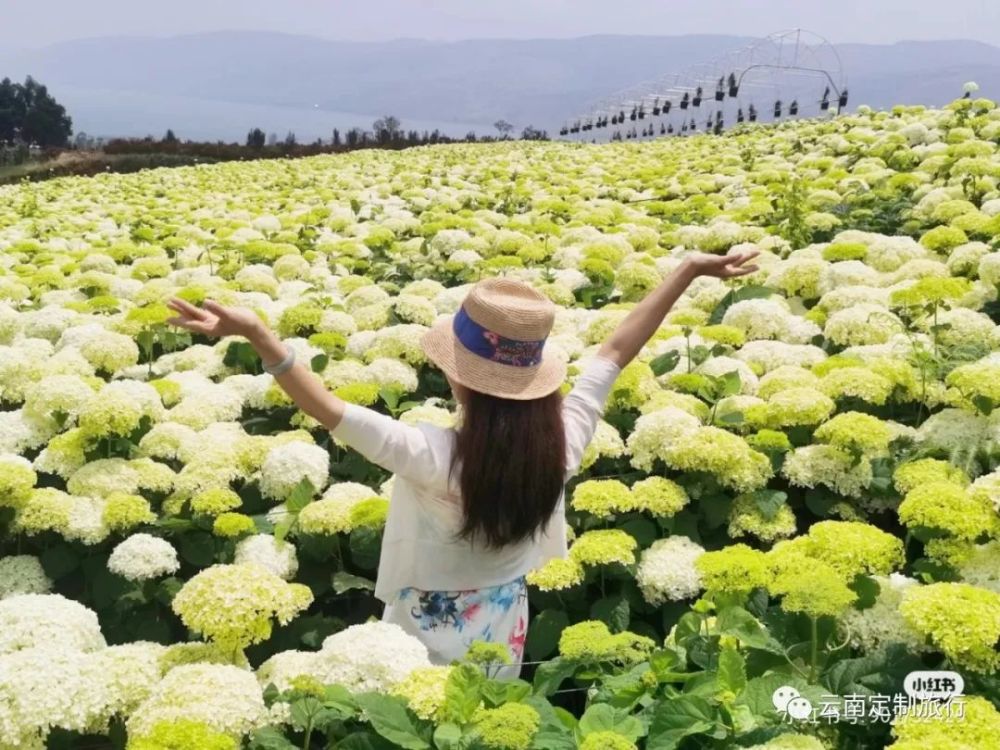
[{"x": 494, "y": 343}]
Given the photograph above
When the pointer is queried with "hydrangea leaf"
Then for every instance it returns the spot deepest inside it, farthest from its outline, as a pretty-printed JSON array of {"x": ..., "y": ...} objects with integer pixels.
[{"x": 389, "y": 718}]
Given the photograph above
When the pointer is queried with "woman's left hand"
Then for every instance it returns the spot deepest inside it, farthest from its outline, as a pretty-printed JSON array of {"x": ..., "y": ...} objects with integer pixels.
[{"x": 722, "y": 266}]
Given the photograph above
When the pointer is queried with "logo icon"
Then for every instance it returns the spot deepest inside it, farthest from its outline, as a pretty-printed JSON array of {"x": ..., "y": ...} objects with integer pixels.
[
  {"x": 788, "y": 700},
  {"x": 934, "y": 685}
]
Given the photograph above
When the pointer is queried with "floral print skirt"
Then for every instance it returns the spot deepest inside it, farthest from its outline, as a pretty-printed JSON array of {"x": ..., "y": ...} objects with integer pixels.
[{"x": 448, "y": 622}]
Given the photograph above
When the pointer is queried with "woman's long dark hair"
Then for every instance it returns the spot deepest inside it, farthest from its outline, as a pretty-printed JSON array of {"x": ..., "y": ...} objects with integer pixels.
[{"x": 511, "y": 460}]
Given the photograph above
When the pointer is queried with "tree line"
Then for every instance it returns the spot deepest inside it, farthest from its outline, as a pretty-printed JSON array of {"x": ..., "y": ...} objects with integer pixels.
[
  {"x": 386, "y": 133},
  {"x": 35, "y": 128}
]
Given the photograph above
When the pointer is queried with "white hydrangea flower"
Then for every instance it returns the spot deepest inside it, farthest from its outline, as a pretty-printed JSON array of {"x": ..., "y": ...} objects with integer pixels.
[
  {"x": 263, "y": 549},
  {"x": 881, "y": 624},
  {"x": 45, "y": 687},
  {"x": 719, "y": 366},
  {"x": 862, "y": 324},
  {"x": 759, "y": 318},
  {"x": 55, "y": 395},
  {"x": 656, "y": 432},
  {"x": 667, "y": 570},
  {"x": 429, "y": 412},
  {"x": 86, "y": 521},
  {"x": 770, "y": 355},
  {"x": 142, "y": 557},
  {"x": 950, "y": 429},
  {"x": 392, "y": 372},
  {"x": 47, "y": 620},
  {"x": 166, "y": 441},
  {"x": 375, "y": 656},
  {"x": 225, "y": 698},
  {"x": 126, "y": 675},
  {"x": 102, "y": 477},
  {"x": 218, "y": 403},
  {"x": 818, "y": 464},
  {"x": 48, "y": 322},
  {"x": 19, "y": 434},
  {"x": 288, "y": 464},
  {"x": 22, "y": 574}
]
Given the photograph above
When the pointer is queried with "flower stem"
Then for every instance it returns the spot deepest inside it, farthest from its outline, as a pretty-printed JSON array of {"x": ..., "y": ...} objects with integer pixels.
[{"x": 814, "y": 649}]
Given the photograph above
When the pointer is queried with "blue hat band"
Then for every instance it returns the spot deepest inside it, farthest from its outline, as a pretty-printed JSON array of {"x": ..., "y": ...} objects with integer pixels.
[{"x": 494, "y": 347}]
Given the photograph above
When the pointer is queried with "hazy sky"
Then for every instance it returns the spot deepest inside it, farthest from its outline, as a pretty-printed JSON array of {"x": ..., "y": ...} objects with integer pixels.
[{"x": 28, "y": 23}]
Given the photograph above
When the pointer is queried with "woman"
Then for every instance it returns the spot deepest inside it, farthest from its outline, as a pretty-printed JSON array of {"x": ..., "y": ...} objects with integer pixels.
[{"x": 473, "y": 509}]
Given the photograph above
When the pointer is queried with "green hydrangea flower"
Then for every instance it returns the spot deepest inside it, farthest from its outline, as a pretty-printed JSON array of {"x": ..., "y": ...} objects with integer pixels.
[
  {"x": 330, "y": 342},
  {"x": 636, "y": 280},
  {"x": 857, "y": 382},
  {"x": 856, "y": 432},
  {"x": 769, "y": 441},
  {"x": 488, "y": 654},
  {"x": 949, "y": 508},
  {"x": 727, "y": 457},
  {"x": 602, "y": 498},
  {"x": 816, "y": 589},
  {"x": 791, "y": 407},
  {"x": 182, "y": 735},
  {"x": 854, "y": 547},
  {"x": 604, "y": 547},
  {"x": 234, "y": 605},
  {"x": 942, "y": 239},
  {"x": 424, "y": 690},
  {"x": 198, "y": 652},
  {"x": 975, "y": 386},
  {"x": 912, "y": 474},
  {"x": 723, "y": 334},
  {"x": 962, "y": 621},
  {"x": 369, "y": 514},
  {"x": 931, "y": 290},
  {"x": 232, "y": 525},
  {"x": 659, "y": 497},
  {"x": 148, "y": 316},
  {"x": 363, "y": 394},
  {"x": 215, "y": 501},
  {"x": 169, "y": 390},
  {"x": 635, "y": 385},
  {"x": 17, "y": 479},
  {"x": 920, "y": 728},
  {"x": 838, "y": 251},
  {"x": 733, "y": 569},
  {"x": 511, "y": 726},
  {"x": 557, "y": 574},
  {"x": 300, "y": 320},
  {"x": 123, "y": 511},
  {"x": 606, "y": 740},
  {"x": 747, "y": 519},
  {"x": 592, "y": 641}
]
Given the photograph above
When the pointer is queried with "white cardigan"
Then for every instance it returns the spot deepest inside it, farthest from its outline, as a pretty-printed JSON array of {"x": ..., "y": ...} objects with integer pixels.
[{"x": 419, "y": 546}]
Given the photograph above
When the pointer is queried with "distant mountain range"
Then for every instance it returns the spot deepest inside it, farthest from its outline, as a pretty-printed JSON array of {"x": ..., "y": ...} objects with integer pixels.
[{"x": 219, "y": 85}]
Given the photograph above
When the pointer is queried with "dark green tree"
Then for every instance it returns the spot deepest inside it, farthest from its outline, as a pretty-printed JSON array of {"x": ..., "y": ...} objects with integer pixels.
[
  {"x": 256, "y": 138},
  {"x": 10, "y": 119},
  {"x": 29, "y": 113},
  {"x": 386, "y": 128},
  {"x": 531, "y": 133}
]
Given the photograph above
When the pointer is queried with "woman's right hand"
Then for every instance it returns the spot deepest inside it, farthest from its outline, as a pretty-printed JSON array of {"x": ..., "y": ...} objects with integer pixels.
[{"x": 215, "y": 320}]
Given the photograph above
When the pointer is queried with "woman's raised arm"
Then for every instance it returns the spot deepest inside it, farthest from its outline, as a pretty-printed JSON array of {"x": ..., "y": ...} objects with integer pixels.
[
  {"x": 643, "y": 320},
  {"x": 300, "y": 383}
]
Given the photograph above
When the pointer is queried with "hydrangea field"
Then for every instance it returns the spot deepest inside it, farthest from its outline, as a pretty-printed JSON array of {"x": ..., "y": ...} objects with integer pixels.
[{"x": 795, "y": 485}]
